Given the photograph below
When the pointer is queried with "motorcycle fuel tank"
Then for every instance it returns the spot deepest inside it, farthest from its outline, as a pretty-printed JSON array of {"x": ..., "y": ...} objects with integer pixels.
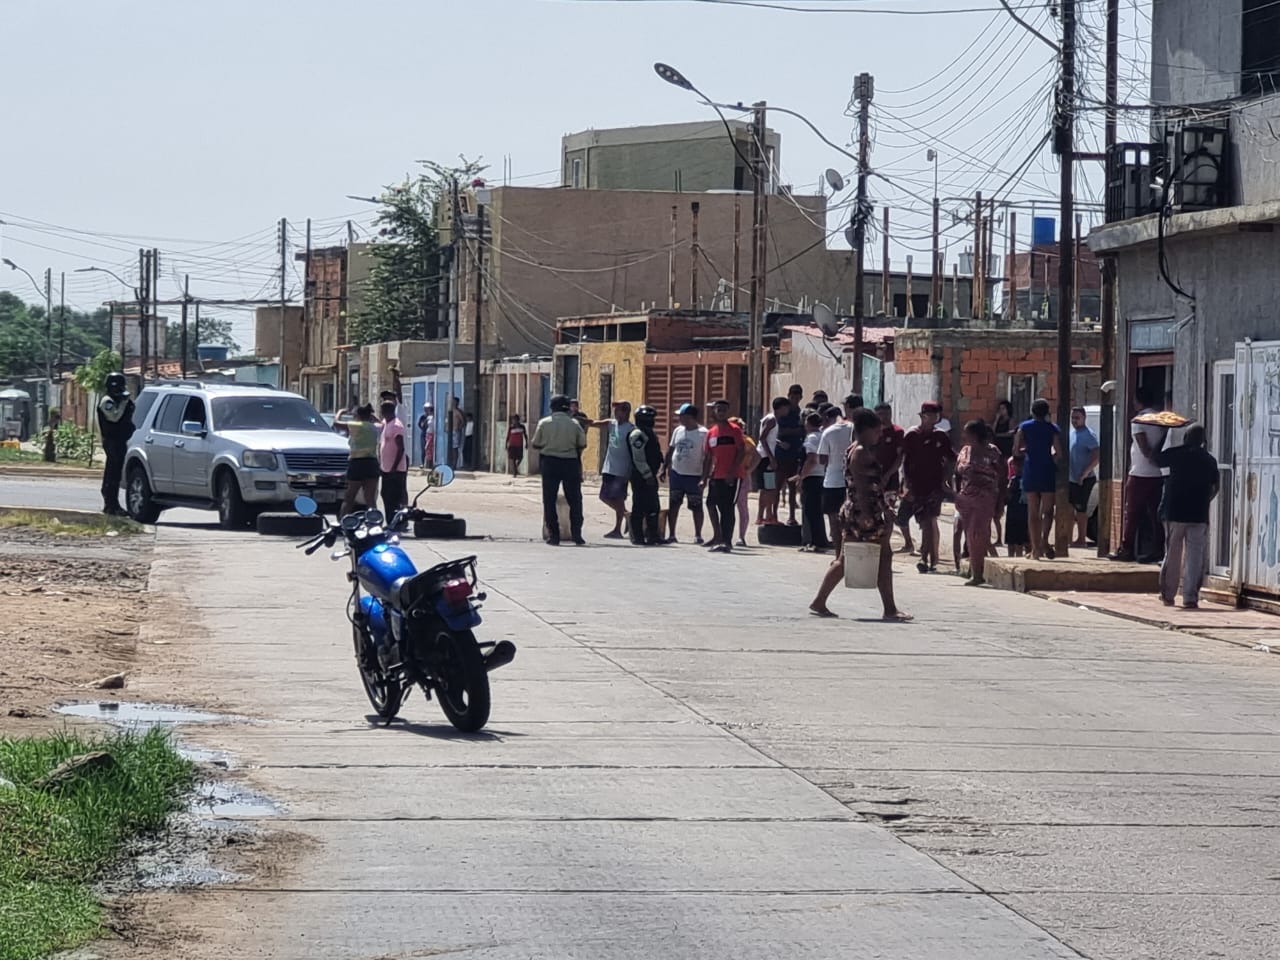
[
  {"x": 381, "y": 567},
  {"x": 376, "y": 617}
]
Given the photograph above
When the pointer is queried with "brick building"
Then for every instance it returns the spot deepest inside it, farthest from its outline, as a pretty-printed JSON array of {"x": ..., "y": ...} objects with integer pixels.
[{"x": 970, "y": 371}]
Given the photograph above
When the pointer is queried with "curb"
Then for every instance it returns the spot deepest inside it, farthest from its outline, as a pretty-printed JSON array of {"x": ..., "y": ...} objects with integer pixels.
[
  {"x": 1151, "y": 622},
  {"x": 41, "y": 472}
]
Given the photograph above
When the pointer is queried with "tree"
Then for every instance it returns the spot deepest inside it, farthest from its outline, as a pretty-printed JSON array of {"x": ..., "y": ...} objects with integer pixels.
[
  {"x": 93, "y": 375},
  {"x": 24, "y": 348},
  {"x": 401, "y": 298},
  {"x": 213, "y": 331}
]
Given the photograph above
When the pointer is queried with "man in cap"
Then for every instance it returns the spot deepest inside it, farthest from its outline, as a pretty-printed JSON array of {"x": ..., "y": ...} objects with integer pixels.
[
  {"x": 927, "y": 460},
  {"x": 560, "y": 442},
  {"x": 115, "y": 423}
]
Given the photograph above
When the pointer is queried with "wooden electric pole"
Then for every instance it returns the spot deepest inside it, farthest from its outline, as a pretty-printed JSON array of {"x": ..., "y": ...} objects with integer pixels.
[
  {"x": 477, "y": 338},
  {"x": 186, "y": 298},
  {"x": 1107, "y": 311},
  {"x": 1064, "y": 142},
  {"x": 283, "y": 381},
  {"x": 759, "y": 259},
  {"x": 863, "y": 91}
]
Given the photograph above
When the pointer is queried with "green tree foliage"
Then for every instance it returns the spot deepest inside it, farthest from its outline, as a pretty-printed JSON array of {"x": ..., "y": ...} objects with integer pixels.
[
  {"x": 213, "y": 331},
  {"x": 93, "y": 375},
  {"x": 401, "y": 298},
  {"x": 24, "y": 346}
]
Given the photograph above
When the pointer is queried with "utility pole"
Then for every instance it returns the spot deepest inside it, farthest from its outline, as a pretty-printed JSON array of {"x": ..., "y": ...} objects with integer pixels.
[
  {"x": 935, "y": 272},
  {"x": 283, "y": 382},
  {"x": 1064, "y": 142},
  {"x": 911, "y": 313},
  {"x": 759, "y": 259},
  {"x": 863, "y": 91},
  {"x": 477, "y": 333},
  {"x": 62, "y": 318},
  {"x": 737, "y": 249},
  {"x": 886, "y": 277},
  {"x": 199, "y": 362},
  {"x": 153, "y": 328},
  {"x": 988, "y": 250},
  {"x": 308, "y": 295},
  {"x": 693, "y": 255},
  {"x": 144, "y": 304},
  {"x": 186, "y": 297},
  {"x": 455, "y": 286},
  {"x": 671, "y": 260},
  {"x": 979, "y": 287},
  {"x": 1107, "y": 311},
  {"x": 1011, "y": 308}
]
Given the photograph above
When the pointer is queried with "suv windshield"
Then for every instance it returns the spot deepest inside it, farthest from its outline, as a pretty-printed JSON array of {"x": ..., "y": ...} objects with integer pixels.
[{"x": 266, "y": 413}]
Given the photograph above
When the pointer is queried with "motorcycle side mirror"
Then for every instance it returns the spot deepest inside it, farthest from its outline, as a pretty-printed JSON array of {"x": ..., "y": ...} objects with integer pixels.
[
  {"x": 441, "y": 476},
  {"x": 305, "y": 506}
]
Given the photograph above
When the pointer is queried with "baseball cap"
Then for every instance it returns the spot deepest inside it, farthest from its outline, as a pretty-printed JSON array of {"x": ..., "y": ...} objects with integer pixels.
[
  {"x": 931, "y": 406},
  {"x": 685, "y": 408}
]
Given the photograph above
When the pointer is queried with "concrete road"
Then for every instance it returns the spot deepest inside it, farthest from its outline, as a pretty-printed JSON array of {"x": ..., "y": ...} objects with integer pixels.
[{"x": 681, "y": 763}]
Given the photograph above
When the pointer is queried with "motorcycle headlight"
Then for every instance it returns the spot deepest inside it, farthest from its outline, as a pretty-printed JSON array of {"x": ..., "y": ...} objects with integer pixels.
[{"x": 260, "y": 460}]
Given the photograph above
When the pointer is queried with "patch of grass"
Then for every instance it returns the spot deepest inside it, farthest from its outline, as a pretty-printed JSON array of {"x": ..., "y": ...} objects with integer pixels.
[
  {"x": 95, "y": 525},
  {"x": 54, "y": 843},
  {"x": 18, "y": 455}
]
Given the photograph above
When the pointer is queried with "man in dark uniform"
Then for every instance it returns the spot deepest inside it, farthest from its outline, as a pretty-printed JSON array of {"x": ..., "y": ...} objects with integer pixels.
[
  {"x": 115, "y": 422},
  {"x": 646, "y": 464}
]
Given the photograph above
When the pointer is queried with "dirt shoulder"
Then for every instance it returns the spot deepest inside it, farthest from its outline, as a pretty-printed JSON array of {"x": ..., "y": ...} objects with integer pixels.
[{"x": 70, "y": 609}]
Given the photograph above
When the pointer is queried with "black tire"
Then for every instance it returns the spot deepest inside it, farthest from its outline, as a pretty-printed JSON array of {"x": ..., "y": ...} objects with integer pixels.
[
  {"x": 137, "y": 496},
  {"x": 775, "y": 535},
  {"x": 463, "y": 682},
  {"x": 455, "y": 528},
  {"x": 232, "y": 512},
  {"x": 289, "y": 525},
  {"x": 385, "y": 695}
]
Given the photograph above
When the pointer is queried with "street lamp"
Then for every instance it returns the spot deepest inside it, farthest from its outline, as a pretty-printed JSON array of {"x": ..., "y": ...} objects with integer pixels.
[{"x": 137, "y": 293}]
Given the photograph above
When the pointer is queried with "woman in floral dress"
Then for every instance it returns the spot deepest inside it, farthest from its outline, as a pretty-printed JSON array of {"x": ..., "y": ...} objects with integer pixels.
[
  {"x": 865, "y": 516},
  {"x": 978, "y": 478}
]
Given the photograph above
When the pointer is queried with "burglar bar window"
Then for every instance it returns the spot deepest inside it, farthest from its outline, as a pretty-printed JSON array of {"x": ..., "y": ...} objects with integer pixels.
[{"x": 1260, "y": 49}]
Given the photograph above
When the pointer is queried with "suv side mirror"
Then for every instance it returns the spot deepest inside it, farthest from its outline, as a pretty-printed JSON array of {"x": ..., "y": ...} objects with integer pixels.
[{"x": 192, "y": 428}]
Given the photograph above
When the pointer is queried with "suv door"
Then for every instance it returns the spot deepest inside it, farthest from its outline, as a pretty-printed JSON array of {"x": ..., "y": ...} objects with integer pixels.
[
  {"x": 191, "y": 452},
  {"x": 164, "y": 432}
]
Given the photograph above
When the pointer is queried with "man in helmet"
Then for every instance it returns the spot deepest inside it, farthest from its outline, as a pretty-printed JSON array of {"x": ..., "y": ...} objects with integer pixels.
[
  {"x": 115, "y": 423},
  {"x": 646, "y": 464}
]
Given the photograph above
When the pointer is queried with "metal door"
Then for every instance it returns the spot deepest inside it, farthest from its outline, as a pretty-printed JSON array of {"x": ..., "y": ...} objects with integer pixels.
[
  {"x": 1257, "y": 481},
  {"x": 191, "y": 455},
  {"x": 1222, "y": 444},
  {"x": 166, "y": 430}
]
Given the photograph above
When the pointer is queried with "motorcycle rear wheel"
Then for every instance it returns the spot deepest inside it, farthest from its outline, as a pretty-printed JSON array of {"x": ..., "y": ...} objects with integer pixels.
[
  {"x": 462, "y": 681},
  {"x": 385, "y": 695}
]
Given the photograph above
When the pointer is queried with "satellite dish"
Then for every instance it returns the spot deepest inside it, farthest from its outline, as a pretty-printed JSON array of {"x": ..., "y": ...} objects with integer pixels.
[
  {"x": 849, "y": 235},
  {"x": 834, "y": 180},
  {"x": 826, "y": 320}
]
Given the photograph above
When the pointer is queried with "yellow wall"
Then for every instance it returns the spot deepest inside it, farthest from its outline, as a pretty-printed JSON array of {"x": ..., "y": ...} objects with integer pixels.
[{"x": 627, "y": 361}]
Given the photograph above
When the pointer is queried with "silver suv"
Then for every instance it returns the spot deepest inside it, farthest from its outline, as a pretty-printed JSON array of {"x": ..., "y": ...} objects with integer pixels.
[{"x": 239, "y": 449}]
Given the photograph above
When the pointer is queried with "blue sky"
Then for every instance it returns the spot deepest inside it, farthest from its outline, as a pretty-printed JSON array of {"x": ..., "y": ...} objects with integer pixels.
[{"x": 194, "y": 127}]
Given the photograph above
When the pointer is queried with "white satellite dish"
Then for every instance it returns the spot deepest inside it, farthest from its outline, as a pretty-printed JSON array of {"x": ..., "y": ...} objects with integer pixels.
[
  {"x": 834, "y": 180},
  {"x": 826, "y": 320}
]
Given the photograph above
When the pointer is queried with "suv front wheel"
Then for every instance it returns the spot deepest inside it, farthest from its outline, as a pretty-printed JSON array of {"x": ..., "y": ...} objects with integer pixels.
[
  {"x": 232, "y": 512},
  {"x": 137, "y": 496}
]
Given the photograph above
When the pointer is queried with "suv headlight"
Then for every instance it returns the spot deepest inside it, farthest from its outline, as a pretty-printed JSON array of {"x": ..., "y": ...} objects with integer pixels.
[{"x": 260, "y": 460}]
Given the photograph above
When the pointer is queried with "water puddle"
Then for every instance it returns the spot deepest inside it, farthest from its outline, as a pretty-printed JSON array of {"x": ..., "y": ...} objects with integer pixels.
[
  {"x": 217, "y": 798},
  {"x": 129, "y": 713}
]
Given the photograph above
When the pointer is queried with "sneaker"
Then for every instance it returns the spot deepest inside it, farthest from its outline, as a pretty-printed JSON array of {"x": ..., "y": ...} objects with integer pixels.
[
  {"x": 742, "y": 542},
  {"x": 922, "y": 567},
  {"x": 1123, "y": 556},
  {"x": 579, "y": 542},
  {"x": 697, "y": 540}
]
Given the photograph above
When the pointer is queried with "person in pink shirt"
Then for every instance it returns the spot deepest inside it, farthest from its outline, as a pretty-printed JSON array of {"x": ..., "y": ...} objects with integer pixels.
[{"x": 393, "y": 461}]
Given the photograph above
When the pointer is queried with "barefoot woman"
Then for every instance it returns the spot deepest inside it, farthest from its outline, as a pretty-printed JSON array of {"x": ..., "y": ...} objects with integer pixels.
[{"x": 864, "y": 516}]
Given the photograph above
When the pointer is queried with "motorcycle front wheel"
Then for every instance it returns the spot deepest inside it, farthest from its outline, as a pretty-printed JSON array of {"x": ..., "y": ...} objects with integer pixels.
[
  {"x": 462, "y": 683},
  {"x": 385, "y": 694}
]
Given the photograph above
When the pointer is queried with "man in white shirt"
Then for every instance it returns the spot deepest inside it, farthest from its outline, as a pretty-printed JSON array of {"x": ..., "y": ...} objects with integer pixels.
[
  {"x": 617, "y": 465},
  {"x": 837, "y": 436},
  {"x": 1145, "y": 483},
  {"x": 686, "y": 456}
]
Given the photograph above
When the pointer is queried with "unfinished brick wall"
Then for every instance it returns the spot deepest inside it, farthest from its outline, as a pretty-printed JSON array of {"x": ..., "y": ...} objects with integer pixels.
[{"x": 974, "y": 369}]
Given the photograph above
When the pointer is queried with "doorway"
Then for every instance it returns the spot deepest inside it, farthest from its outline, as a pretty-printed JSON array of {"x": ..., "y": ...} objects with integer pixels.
[{"x": 1222, "y": 444}]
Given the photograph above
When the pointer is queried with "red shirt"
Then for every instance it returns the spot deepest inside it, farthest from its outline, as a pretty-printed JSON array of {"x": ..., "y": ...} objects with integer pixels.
[
  {"x": 890, "y": 446},
  {"x": 724, "y": 442},
  {"x": 926, "y": 454}
]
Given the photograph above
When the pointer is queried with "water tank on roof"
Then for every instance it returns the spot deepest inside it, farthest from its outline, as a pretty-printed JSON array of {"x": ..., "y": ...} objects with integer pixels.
[
  {"x": 1043, "y": 230},
  {"x": 212, "y": 353}
]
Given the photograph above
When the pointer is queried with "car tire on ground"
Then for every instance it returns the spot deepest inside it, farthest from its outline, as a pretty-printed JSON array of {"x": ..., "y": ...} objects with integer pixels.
[
  {"x": 440, "y": 528},
  {"x": 778, "y": 535},
  {"x": 232, "y": 512},
  {"x": 289, "y": 525},
  {"x": 137, "y": 496}
]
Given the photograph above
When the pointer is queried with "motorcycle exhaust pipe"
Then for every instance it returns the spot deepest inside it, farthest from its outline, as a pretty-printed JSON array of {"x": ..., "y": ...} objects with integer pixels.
[{"x": 503, "y": 652}]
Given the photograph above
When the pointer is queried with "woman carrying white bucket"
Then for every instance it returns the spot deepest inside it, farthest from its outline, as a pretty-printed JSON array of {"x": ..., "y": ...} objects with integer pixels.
[{"x": 866, "y": 521}]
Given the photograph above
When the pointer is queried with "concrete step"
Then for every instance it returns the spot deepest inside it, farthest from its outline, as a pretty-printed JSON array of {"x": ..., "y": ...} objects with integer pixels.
[{"x": 1086, "y": 573}]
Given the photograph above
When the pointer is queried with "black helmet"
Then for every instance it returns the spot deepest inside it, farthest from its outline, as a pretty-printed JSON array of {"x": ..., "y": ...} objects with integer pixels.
[
  {"x": 559, "y": 403},
  {"x": 116, "y": 385},
  {"x": 646, "y": 416}
]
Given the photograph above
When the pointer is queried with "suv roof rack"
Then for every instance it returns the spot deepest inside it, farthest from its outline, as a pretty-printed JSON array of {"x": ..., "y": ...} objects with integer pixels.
[{"x": 211, "y": 384}]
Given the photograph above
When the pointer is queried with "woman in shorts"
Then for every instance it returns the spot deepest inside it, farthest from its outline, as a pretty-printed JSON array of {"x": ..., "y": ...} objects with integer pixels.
[{"x": 363, "y": 472}]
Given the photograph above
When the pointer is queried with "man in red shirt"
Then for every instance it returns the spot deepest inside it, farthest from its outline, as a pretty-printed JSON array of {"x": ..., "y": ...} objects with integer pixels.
[
  {"x": 927, "y": 459},
  {"x": 726, "y": 448}
]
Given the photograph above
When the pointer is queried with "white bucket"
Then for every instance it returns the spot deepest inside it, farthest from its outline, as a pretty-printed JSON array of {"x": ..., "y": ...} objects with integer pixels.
[{"x": 861, "y": 565}]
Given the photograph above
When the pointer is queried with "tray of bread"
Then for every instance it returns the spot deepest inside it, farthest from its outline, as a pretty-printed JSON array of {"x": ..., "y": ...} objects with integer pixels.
[{"x": 1165, "y": 418}]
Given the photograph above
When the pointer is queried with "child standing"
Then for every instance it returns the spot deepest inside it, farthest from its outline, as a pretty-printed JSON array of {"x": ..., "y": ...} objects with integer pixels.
[{"x": 1017, "y": 536}]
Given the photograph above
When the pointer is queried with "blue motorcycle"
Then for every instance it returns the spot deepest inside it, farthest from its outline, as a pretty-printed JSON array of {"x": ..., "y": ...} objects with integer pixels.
[{"x": 410, "y": 627}]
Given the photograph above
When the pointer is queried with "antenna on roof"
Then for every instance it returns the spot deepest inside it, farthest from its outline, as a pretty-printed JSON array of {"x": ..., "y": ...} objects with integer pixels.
[{"x": 826, "y": 320}]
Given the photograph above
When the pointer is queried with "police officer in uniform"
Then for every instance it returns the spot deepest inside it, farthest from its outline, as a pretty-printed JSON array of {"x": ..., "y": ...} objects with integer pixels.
[
  {"x": 115, "y": 422},
  {"x": 646, "y": 462}
]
